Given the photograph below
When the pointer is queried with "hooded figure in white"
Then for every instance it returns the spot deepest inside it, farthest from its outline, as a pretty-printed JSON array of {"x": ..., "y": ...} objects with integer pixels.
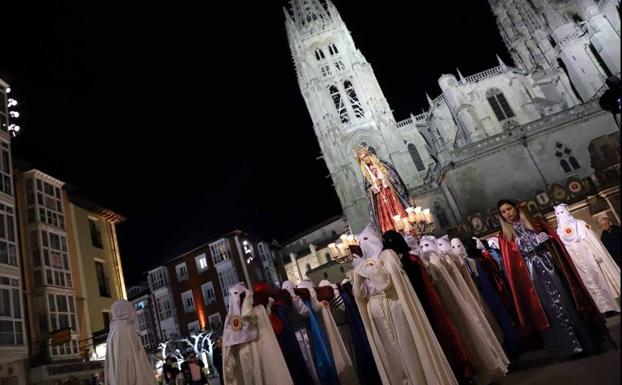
[
  {"x": 468, "y": 269},
  {"x": 466, "y": 314},
  {"x": 251, "y": 352},
  {"x": 126, "y": 361},
  {"x": 598, "y": 271},
  {"x": 404, "y": 346}
]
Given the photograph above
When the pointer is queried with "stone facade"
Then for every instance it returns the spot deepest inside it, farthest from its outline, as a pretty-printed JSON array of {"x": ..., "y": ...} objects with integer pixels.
[{"x": 489, "y": 135}]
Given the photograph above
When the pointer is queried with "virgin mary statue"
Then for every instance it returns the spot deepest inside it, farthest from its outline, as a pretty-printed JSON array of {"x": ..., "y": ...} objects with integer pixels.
[{"x": 387, "y": 194}]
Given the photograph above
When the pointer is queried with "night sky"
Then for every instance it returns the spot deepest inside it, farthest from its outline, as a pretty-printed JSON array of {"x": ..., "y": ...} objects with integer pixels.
[{"x": 187, "y": 118}]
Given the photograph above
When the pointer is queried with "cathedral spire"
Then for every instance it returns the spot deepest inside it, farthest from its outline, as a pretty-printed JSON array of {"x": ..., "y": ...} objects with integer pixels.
[
  {"x": 462, "y": 79},
  {"x": 430, "y": 102},
  {"x": 307, "y": 12},
  {"x": 502, "y": 64}
]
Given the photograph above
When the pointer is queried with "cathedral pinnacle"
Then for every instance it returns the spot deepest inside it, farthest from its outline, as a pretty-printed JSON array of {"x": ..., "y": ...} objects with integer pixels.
[
  {"x": 502, "y": 64},
  {"x": 308, "y": 12}
]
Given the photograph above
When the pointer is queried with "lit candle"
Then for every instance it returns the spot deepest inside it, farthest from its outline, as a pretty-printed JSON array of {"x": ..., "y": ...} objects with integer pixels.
[
  {"x": 412, "y": 218},
  {"x": 352, "y": 240},
  {"x": 407, "y": 225},
  {"x": 418, "y": 217},
  {"x": 344, "y": 239},
  {"x": 398, "y": 222},
  {"x": 427, "y": 215},
  {"x": 341, "y": 248}
]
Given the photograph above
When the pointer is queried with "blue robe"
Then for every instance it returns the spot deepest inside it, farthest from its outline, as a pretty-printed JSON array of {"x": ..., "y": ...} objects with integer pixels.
[
  {"x": 324, "y": 362},
  {"x": 368, "y": 373}
]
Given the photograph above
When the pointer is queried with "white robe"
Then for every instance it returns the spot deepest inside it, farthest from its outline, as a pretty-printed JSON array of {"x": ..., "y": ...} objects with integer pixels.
[
  {"x": 463, "y": 309},
  {"x": 404, "y": 346},
  {"x": 598, "y": 271},
  {"x": 126, "y": 361},
  {"x": 251, "y": 353}
]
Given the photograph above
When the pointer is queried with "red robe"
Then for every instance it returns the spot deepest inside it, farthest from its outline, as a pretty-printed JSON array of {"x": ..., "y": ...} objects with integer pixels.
[
  {"x": 498, "y": 280},
  {"x": 446, "y": 332},
  {"x": 528, "y": 308}
]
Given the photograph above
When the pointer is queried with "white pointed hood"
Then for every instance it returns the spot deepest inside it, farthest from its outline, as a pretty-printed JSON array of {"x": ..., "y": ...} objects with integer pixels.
[
  {"x": 370, "y": 242},
  {"x": 240, "y": 325}
]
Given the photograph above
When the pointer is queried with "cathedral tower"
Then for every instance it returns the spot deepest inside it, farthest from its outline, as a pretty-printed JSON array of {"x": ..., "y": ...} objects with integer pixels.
[{"x": 345, "y": 103}]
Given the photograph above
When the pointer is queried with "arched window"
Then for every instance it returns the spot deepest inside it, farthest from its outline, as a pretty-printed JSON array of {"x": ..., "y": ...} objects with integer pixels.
[
  {"x": 319, "y": 54},
  {"x": 566, "y": 159},
  {"x": 574, "y": 163},
  {"x": 354, "y": 100},
  {"x": 328, "y": 258},
  {"x": 332, "y": 49},
  {"x": 441, "y": 216},
  {"x": 414, "y": 154},
  {"x": 499, "y": 104},
  {"x": 338, "y": 101}
]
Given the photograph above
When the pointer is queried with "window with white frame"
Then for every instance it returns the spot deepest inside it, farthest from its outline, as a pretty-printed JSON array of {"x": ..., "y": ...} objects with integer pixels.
[
  {"x": 55, "y": 259},
  {"x": 142, "y": 320},
  {"x": 221, "y": 250},
  {"x": 157, "y": 279},
  {"x": 5, "y": 169},
  {"x": 214, "y": 321},
  {"x": 165, "y": 310},
  {"x": 201, "y": 261},
  {"x": 67, "y": 349},
  {"x": 182, "y": 272},
  {"x": 62, "y": 312},
  {"x": 8, "y": 250},
  {"x": 209, "y": 295},
  {"x": 49, "y": 207},
  {"x": 11, "y": 327},
  {"x": 188, "y": 301},
  {"x": 193, "y": 327},
  {"x": 227, "y": 278}
]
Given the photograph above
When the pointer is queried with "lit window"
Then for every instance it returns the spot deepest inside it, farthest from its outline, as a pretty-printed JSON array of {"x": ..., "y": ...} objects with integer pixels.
[{"x": 201, "y": 261}]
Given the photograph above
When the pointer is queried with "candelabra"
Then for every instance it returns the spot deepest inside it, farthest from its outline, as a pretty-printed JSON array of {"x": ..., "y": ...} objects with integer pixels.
[{"x": 417, "y": 222}]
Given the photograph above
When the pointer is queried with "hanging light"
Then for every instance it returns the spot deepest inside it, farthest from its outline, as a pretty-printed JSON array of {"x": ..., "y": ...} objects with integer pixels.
[
  {"x": 8, "y": 90},
  {"x": 14, "y": 114},
  {"x": 12, "y": 102}
]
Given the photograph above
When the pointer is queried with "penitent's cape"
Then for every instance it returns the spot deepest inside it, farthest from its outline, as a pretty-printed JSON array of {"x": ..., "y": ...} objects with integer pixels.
[{"x": 126, "y": 361}]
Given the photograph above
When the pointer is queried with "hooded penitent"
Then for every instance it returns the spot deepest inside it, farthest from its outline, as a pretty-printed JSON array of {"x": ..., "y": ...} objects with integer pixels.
[
  {"x": 251, "y": 353},
  {"x": 598, "y": 271},
  {"x": 405, "y": 349},
  {"x": 511, "y": 336},
  {"x": 126, "y": 361},
  {"x": 444, "y": 329},
  {"x": 458, "y": 266},
  {"x": 466, "y": 314}
]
